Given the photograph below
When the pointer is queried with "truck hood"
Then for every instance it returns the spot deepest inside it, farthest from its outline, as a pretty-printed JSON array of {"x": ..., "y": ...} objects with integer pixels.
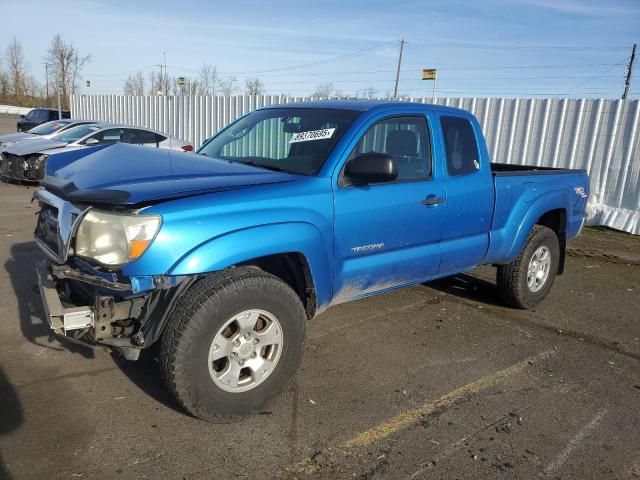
[
  {"x": 129, "y": 175},
  {"x": 34, "y": 146}
]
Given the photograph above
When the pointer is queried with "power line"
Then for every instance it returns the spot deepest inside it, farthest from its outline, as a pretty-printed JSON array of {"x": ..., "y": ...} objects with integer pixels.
[
  {"x": 593, "y": 78},
  {"x": 114, "y": 74},
  {"x": 489, "y": 46},
  {"x": 317, "y": 62}
]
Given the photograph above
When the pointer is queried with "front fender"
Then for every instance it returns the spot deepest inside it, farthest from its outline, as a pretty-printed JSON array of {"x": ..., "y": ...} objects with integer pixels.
[
  {"x": 507, "y": 242},
  {"x": 244, "y": 245}
]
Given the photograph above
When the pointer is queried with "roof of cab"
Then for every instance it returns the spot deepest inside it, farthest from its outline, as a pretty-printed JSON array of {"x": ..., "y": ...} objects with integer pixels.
[{"x": 364, "y": 105}]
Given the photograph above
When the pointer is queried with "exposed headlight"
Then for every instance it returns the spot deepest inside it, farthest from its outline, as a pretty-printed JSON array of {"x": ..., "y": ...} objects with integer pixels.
[{"x": 113, "y": 239}]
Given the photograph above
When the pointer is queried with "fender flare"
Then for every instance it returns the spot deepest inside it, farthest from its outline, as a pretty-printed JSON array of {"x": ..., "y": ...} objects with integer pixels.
[
  {"x": 271, "y": 239},
  {"x": 505, "y": 251}
]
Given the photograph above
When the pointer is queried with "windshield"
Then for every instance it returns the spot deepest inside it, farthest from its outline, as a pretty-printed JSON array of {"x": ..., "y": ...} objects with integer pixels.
[
  {"x": 76, "y": 133},
  {"x": 48, "y": 128},
  {"x": 294, "y": 140}
]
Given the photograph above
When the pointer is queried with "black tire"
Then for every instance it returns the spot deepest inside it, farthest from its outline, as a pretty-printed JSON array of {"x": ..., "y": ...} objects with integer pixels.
[
  {"x": 512, "y": 278},
  {"x": 200, "y": 313}
]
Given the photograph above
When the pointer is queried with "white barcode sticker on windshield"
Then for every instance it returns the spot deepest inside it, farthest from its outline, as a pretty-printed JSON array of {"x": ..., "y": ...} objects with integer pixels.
[{"x": 312, "y": 135}]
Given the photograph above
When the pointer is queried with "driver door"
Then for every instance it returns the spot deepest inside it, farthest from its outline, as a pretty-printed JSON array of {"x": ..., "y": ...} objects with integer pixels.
[{"x": 387, "y": 234}]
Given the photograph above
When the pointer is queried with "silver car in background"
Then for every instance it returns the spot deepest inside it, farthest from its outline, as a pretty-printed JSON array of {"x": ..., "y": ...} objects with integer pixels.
[
  {"x": 26, "y": 160},
  {"x": 46, "y": 130}
]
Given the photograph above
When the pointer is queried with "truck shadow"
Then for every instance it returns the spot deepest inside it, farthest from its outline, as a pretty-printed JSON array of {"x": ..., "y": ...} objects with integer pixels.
[
  {"x": 469, "y": 288},
  {"x": 34, "y": 328},
  {"x": 145, "y": 374},
  {"x": 11, "y": 416}
]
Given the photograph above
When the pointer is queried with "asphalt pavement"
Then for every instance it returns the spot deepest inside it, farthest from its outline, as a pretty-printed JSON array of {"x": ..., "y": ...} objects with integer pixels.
[{"x": 434, "y": 381}]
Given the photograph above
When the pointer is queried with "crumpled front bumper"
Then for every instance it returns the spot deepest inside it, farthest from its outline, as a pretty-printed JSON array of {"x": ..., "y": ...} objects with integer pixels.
[
  {"x": 92, "y": 310},
  {"x": 60, "y": 319},
  {"x": 110, "y": 320}
]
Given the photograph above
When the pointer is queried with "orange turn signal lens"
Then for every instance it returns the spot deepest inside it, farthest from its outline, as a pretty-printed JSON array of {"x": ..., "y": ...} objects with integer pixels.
[{"x": 137, "y": 248}]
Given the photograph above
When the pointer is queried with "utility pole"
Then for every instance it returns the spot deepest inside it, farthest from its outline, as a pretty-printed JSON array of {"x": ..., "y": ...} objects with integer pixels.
[
  {"x": 627, "y": 81},
  {"x": 58, "y": 85},
  {"x": 395, "y": 90},
  {"x": 46, "y": 82}
]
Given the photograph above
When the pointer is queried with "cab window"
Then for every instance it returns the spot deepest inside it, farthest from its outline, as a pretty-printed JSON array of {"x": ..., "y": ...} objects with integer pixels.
[{"x": 406, "y": 139}]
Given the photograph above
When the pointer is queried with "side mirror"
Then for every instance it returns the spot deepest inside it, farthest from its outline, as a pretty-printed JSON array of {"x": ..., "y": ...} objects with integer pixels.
[
  {"x": 91, "y": 141},
  {"x": 371, "y": 168},
  {"x": 22, "y": 117}
]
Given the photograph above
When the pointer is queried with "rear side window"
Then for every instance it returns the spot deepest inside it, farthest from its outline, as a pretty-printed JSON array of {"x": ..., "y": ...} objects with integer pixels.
[
  {"x": 460, "y": 146},
  {"x": 105, "y": 137},
  {"x": 42, "y": 116},
  {"x": 141, "y": 137}
]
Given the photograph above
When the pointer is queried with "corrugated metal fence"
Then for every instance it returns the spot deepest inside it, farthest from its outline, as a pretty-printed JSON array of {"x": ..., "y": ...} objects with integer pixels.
[{"x": 602, "y": 136}]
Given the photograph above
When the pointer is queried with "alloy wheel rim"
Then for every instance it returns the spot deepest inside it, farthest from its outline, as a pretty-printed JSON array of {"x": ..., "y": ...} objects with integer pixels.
[
  {"x": 538, "y": 271},
  {"x": 245, "y": 351}
]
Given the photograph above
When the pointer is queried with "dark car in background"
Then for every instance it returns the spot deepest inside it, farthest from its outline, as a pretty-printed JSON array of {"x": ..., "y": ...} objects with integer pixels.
[{"x": 39, "y": 116}]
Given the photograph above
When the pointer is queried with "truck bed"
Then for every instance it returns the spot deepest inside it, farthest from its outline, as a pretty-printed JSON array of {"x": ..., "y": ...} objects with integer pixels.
[{"x": 504, "y": 169}]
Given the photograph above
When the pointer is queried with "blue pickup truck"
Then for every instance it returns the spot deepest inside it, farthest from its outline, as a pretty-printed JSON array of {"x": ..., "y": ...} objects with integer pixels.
[{"x": 220, "y": 258}]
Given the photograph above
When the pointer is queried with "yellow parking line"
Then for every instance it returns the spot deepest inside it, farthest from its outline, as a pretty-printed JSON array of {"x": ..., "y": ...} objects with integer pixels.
[
  {"x": 408, "y": 418},
  {"x": 405, "y": 419}
]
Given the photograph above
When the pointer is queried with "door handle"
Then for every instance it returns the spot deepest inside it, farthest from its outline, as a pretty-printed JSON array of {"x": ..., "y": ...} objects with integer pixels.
[{"x": 432, "y": 200}]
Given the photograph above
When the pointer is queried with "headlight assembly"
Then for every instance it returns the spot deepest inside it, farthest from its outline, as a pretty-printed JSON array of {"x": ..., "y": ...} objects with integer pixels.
[{"x": 113, "y": 239}]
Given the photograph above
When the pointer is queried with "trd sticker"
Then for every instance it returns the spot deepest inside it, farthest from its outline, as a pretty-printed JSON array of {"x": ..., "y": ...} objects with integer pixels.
[
  {"x": 580, "y": 191},
  {"x": 310, "y": 135}
]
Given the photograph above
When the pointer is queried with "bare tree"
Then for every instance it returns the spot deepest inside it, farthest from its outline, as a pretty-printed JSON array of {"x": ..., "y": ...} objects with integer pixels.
[
  {"x": 368, "y": 93},
  {"x": 158, "y": 84},
  {"x": 66, "y": 65},
  {"x": 4, "y": 86},
  {"x": 228, "y": 86},
  {"x": 134, "y": 84},
  {"x": 17, "y": 69},
  {"x": 323, "y": 90},
  {"x": 253, "y": 86},
  {"x": 208, "y": 80}
]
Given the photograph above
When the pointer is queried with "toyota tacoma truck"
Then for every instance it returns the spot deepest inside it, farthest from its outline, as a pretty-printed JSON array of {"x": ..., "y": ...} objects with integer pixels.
[{"x": 220, "y": 258}]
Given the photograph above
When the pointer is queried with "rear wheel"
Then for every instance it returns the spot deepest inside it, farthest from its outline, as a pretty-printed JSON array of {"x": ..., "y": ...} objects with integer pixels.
[
  {"x": 232, "y": 343},
  {"x": 527, "y": 280}
]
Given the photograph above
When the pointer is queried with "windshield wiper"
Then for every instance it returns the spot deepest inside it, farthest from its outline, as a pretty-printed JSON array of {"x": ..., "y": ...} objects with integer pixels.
[{"x": 259, "y": 165}]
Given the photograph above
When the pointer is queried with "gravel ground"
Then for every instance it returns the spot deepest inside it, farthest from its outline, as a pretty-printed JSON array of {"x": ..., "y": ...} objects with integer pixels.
[
  {"x": 8, "y": 123},
  {"x": 434, "y": 381}
]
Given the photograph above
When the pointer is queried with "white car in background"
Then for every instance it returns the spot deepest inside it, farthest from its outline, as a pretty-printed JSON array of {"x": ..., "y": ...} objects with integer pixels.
[{"x": 25, "y": 160}]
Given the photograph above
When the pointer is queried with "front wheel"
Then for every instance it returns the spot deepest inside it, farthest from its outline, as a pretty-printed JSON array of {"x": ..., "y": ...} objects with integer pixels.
[
  {"x": 525, "y": 282},
  {"x": 232, "y": 343}
]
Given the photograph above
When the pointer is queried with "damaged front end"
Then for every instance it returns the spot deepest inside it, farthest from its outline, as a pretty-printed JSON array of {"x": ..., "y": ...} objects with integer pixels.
[
  {"x": 28, "y": 168},
  {"x": 89, "y": 309},
  {"x": 92, "y": 304}
]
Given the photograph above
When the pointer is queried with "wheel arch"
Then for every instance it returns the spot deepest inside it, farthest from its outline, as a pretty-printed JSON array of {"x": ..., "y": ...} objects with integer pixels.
[
  {"x": 295, "y": 252},
  {"x": 556, "y": 220},
  {"x": 293, "y": 269}
]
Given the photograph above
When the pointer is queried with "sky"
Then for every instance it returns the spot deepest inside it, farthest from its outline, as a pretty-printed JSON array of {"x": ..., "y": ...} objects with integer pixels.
[{"x": 496, "y": 48}]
